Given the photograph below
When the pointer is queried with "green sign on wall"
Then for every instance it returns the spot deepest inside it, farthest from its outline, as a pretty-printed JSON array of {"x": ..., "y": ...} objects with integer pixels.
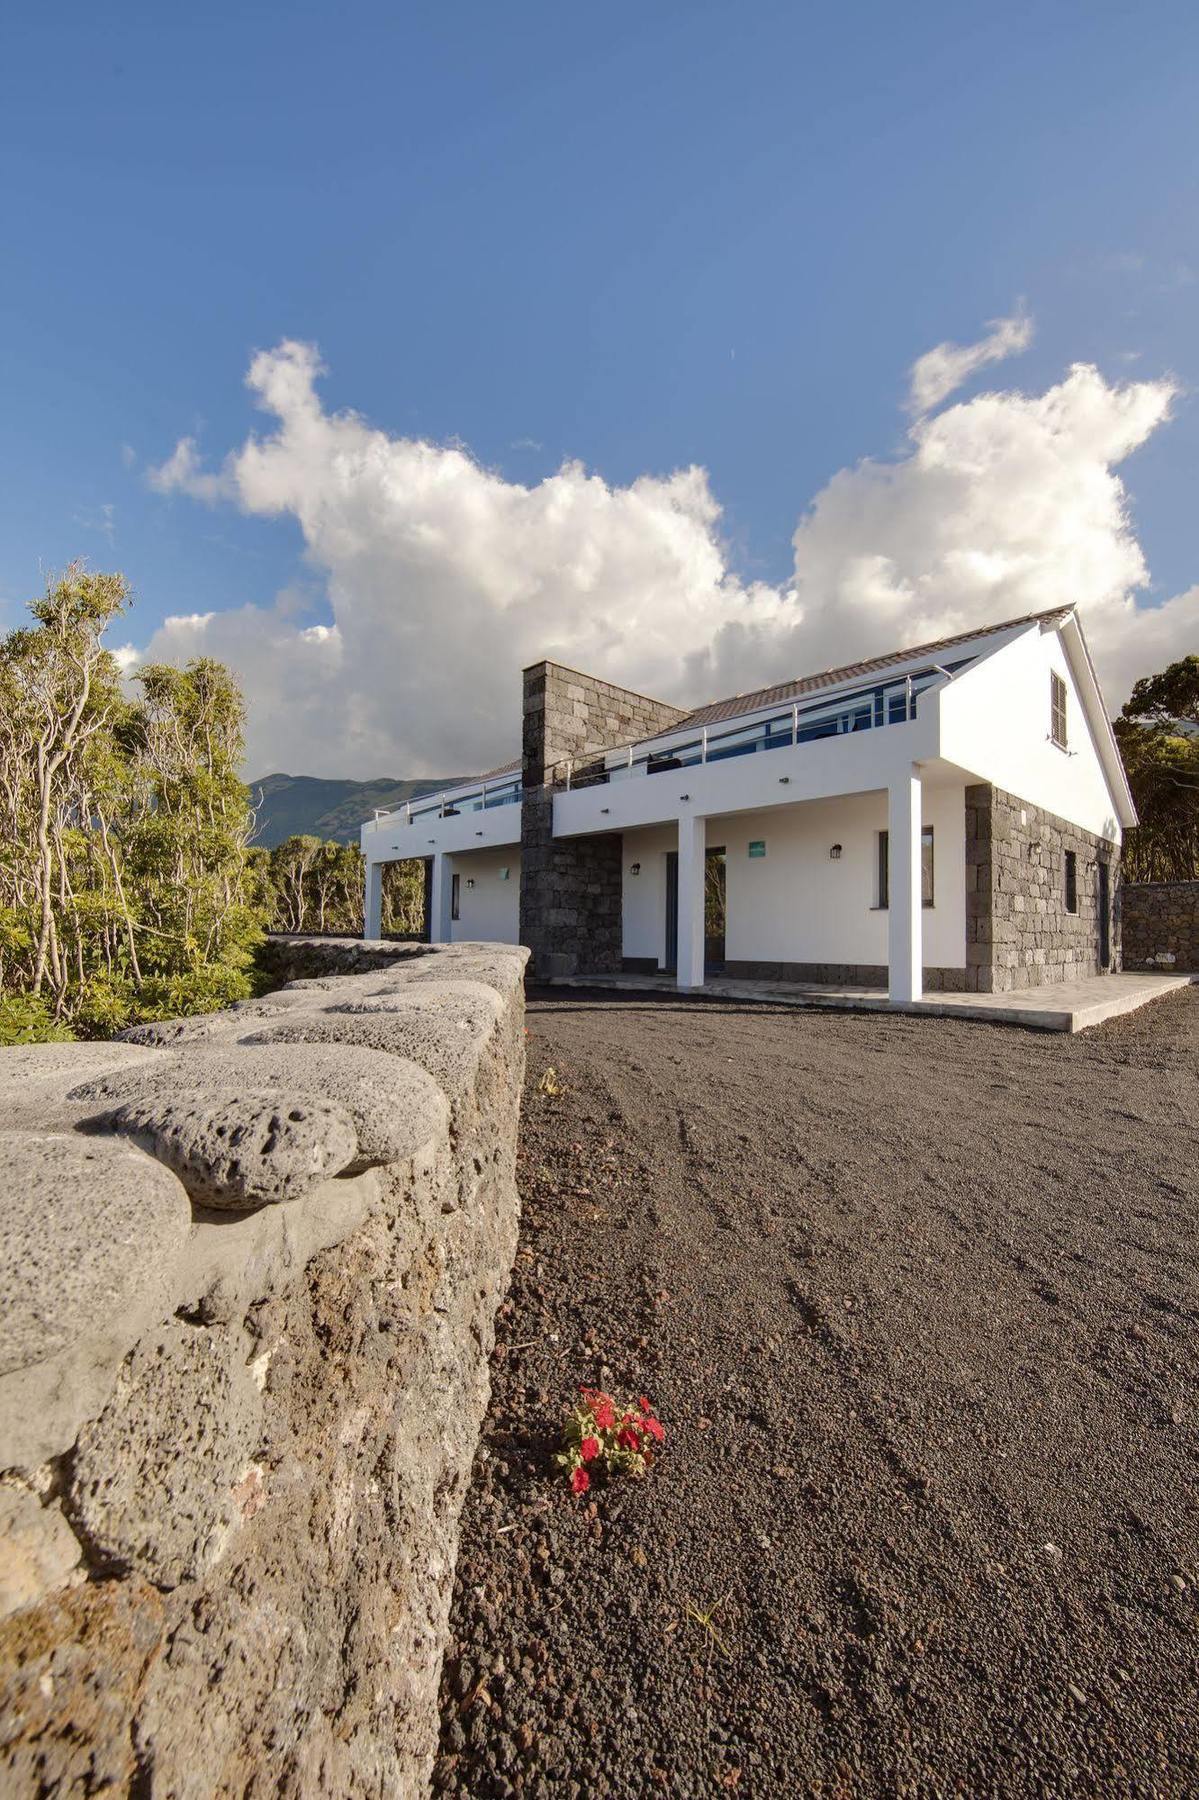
[{"x": 757, "y": 847}]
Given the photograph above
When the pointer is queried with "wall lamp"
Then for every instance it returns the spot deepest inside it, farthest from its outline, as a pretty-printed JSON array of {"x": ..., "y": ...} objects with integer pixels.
[
  {"x": 835, "y": 852},
  {"x": 470, "y": 881},
  {"x": 605, "y": 809},
  {"x": 634, "y": 868},
  {"x": 684, "y": 796},
  {"x": 784, "y": 780},
  {"x": 478, "y": 834}
]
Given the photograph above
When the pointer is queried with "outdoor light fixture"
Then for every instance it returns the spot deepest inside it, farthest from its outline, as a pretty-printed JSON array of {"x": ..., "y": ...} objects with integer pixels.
[
  {"x": 470, "y": 881},
  {"x": 605, "y": 809},
  {"x": 684, "y": 796},
  {"x": 783, "y": 780},
  {"x": 835, "y": 852},
  {"x": 634, "y": 868},
  {"x": 478, "y": 834}
]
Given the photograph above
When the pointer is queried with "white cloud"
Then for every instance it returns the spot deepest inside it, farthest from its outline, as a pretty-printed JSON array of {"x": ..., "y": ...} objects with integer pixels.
[
  {"x": 941, "y": 370},
  {"x": 181, "y": 474},
  {"x": 443, "y": 578}
]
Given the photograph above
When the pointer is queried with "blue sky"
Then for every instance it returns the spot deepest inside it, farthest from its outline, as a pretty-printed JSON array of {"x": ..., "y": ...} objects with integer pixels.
[{"x": 644, "y": 237}]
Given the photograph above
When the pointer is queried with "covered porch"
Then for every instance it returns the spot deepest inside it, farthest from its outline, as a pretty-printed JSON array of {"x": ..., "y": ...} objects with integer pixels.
[{"x": 862, "y": 892}]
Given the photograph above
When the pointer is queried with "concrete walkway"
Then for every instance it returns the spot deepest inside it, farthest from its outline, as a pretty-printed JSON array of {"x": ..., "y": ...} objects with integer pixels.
[{"x": 1058, "y": 1006}]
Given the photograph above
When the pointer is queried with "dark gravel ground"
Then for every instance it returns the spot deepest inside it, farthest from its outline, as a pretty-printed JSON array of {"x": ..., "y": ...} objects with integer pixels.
[{"x": 917, "y": 1302}]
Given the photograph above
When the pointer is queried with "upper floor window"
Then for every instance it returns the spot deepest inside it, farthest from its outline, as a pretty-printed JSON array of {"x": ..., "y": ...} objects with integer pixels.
[{"x": 1057, "y": 709}]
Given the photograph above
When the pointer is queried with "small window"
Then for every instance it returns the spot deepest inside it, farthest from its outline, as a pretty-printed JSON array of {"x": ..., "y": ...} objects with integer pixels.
[
  {"x": 1057, "y": 710},
  {"x": 1071, "y": 882},
  {"x": 926, "y": 867},
  {"x": 455, "y": 885}
]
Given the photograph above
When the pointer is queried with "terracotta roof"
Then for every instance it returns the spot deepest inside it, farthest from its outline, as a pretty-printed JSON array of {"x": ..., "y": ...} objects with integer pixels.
[{"x": 718, "y": 710}]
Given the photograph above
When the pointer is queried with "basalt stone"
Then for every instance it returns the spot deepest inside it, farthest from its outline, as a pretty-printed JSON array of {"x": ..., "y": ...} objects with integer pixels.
[
  {"x": 233, "y": 1151},
  {"x": 87, "y": 1230},
  {"x": 395, "y": 1107}
]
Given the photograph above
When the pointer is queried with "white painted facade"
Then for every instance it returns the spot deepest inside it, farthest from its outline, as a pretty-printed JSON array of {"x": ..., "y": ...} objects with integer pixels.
[
  {"x": 488, "y": 891},
  {"x": 473, "y": 829},
  {"x": 796, "y": 902},
  {"x": 810, "y": 781}
]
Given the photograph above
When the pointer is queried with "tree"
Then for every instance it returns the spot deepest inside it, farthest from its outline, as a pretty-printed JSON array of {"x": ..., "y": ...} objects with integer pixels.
[
  {"x": 318, "y": 886},
  {"x": 1158, "y": 734},
  {"x": 123, "y": 877}
]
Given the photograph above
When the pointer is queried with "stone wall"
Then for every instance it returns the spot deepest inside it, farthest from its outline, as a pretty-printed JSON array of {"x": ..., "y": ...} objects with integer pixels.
[
  {"x": 250, "y": 1265},
  {"x": 1019, "y": 933},
  {"x": 570, "y": 888},
  {"x": 1160, "y": 921}
]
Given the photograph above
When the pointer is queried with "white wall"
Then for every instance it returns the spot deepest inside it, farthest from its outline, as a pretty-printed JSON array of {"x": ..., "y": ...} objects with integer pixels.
[
  {"x": 644, "y": 895},
  {"x": 995, "y": 723},
  {"x": 490, "y": 911},
  {"x": 796, "y": 904}
]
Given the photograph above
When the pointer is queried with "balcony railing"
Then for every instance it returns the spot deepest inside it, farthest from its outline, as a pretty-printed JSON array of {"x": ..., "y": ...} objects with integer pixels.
[
  {"x": 504, "y": 791},
  {"x": 864, "y": 709}
]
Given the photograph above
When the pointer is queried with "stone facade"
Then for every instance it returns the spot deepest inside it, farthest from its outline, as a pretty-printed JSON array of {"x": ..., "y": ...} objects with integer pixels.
[
  {"x": 570, "y": 888},
  {"x": 1019, "y": 931},
  {"x": 250, "y": 1264},
  {"x": 1160, "y": 921}
]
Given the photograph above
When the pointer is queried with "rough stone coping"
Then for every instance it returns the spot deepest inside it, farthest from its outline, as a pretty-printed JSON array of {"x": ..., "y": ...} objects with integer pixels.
[
  {"x": 88, "y": 1224},
  {"x": 388, "y": 1109}
]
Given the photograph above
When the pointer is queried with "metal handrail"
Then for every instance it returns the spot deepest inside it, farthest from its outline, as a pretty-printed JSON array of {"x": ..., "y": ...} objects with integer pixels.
[
  {"x": 861, "y": 709},
  {"x": 445, "y": 805}
]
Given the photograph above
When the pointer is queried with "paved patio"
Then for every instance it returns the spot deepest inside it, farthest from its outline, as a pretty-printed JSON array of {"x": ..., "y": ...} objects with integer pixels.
[{"x": 1057, "y": 1006}]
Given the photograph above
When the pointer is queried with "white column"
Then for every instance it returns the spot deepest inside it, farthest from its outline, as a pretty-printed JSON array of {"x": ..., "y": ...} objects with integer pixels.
[
  {"x": 905, "y": 923},
  {"x": 372, "y": 905},
  {"x": 440, "y": 924},
  {"x": 693, "y": 836}
]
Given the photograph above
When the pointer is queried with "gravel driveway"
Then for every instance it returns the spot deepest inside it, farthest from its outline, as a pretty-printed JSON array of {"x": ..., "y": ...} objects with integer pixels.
[{"x": 917, "y": 1302}]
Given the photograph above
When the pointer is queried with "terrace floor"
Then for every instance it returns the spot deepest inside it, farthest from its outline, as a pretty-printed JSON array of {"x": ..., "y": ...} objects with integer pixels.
[{"x": 1057, "y": 1006}]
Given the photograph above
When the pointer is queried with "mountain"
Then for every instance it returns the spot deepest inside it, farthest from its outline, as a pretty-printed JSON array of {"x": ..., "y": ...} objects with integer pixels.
[{"x": 289, "y": 804}]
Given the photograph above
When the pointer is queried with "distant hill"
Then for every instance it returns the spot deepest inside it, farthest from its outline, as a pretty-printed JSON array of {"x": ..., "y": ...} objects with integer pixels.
[{"x": 288, "y": 804}]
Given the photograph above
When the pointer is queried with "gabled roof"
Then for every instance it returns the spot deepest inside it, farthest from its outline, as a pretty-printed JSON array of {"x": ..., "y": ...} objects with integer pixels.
[{"x": 718, "y": 710}]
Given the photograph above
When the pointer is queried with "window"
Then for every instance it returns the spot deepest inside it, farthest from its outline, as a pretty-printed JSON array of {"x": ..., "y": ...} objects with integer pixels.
[
  {"x": 926, "y": 867},
  {"x": 455, "y": 885},
  {"x": 1057, "y": 710},
  {"x": 1071, "y": 881}
]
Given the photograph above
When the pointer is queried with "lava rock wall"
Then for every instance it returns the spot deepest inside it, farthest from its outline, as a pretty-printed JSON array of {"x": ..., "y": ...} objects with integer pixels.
[
  {"x": 251, "y": 1263},
  {"x": 1161, "y": 926}
]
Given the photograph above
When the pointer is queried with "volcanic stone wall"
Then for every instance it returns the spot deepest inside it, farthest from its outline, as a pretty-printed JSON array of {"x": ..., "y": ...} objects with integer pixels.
[
  {"x": 1019, "y": 933},
  {"x": 1161, "y": 925},
  {"x": 570, "y": 888},
  {"x": 250, "y": 1265}
]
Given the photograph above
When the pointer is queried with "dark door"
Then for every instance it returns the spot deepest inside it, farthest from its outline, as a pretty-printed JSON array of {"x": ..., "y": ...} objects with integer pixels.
[
  {"x": 714, "y": 911},
  {"x": 672, "y": 910},
  {"x": 1105, "y": 917}
]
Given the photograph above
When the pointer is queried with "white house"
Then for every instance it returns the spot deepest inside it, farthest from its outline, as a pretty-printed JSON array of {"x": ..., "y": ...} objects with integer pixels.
[{"x": 946, "y": 817}]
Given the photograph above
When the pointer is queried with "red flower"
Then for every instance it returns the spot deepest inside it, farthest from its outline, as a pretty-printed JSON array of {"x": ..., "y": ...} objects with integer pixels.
[
  {"x": 589, "y": 1449},
  {"x": 655, "y": 1430},
  {"x": 644, "y": 1404},
  {"x": 580, "y": 1481},
  {"x": 629, "y": 1438},
  {"x": 604, "y": 1412}
]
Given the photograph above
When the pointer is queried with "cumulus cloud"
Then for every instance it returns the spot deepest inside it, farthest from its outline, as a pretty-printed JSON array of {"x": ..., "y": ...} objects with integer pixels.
[
  {"x": 443, "y": 578},
  {"x": 943, "y": 369},
  {"x": 181, "y": 473}
]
